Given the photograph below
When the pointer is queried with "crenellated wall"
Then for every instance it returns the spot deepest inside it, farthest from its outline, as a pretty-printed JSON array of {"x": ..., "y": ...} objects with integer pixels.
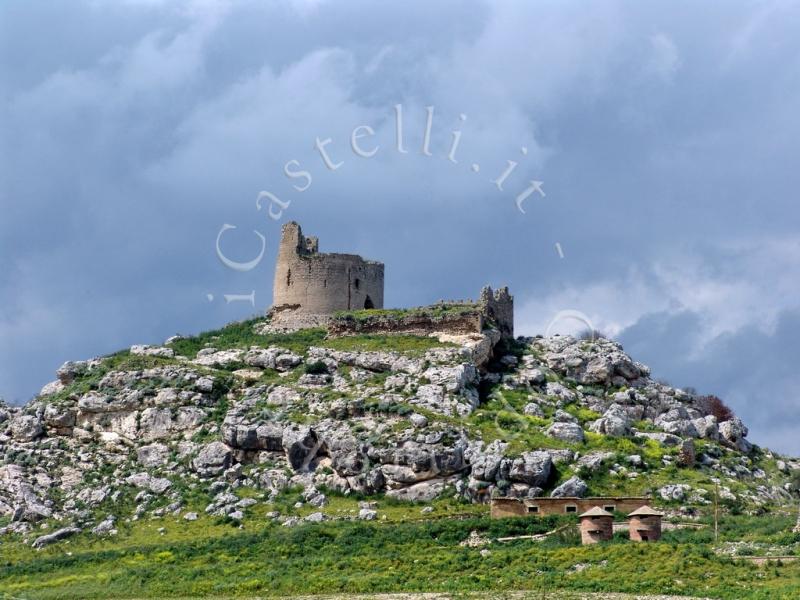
[
  {"x": 307, "y": 282},
  {"x": 498, "y": 306}
]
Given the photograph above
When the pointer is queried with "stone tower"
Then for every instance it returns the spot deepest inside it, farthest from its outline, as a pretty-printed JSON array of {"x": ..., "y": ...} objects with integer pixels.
[
  {"x": 310, "y": 283},
  {"x": 498, "y": 306}
]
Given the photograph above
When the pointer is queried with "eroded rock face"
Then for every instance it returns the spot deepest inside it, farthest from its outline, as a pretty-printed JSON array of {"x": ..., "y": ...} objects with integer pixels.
[
  {"x": 615, "y": 422},
  {"x": 594, "y": 460},
  {"x": 707, "y": 427},
  {"x": 574, "y": 487},
  {"x": 420, "y": 492},
  {"x": 96, "y": 402},
  {"x": 156, "y": 485},
  {"x": 532, "y": 468},
  {"x": 26, "y": 428},
  {"x": 211, "y": 357},
  {"x": 733, "y": 434},
  {"x": 60, "y": 534},
  {"x": 59, "y": 418},
  {"x": 153, "y": 455},
  {"x": 372, "y": 422},
  {"x": 21, "y": 497},
  {"x": 143, "y": 350},
  {"x": 674, "y": 491},
  {"x": 567, "y": 432},
  {"x": 301, "y": 445},
  {"x": 155, "y": 423},
  {"x": 213, "y": 459},
  {"x": 253, "y": 436},
  {"x": 67, "y": 372}
]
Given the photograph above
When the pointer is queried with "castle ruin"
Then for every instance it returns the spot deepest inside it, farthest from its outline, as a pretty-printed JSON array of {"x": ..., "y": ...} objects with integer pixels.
[
  {"x": 310, "y": 287},
  {"x": 308, "y": 282}
]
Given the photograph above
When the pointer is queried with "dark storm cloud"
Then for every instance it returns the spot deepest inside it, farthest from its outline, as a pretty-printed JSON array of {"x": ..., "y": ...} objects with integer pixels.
[{"x": 752, "y": 370}]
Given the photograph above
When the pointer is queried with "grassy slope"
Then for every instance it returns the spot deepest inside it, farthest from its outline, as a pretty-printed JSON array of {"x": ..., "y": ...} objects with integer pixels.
[
  {"x": 242, "y": 335},
  {"x": 402, "y": 553},
  {"x": 208, "y": 557}
]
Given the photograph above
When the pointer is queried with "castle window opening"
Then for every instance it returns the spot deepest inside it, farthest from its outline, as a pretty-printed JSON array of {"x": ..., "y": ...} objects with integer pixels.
[
  {"x": 288, "y": 278},
  {"x": 357, "y": 283}
]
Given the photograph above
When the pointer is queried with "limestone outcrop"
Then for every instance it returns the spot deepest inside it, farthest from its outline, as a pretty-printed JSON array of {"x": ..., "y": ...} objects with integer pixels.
[{"x": 467, "y": 415}]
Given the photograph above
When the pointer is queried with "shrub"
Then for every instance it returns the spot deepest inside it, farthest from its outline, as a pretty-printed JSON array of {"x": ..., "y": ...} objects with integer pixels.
[
  {"x": 316, "y": 368},
  {"x": 716, "y": 407}
]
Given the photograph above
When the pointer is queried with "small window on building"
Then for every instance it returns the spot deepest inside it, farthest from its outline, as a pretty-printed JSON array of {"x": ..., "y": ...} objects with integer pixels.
[
  {"x": 610, "y": 508},
  {"x": 357, "y": 283},
  {"x": 533, "y": 509},
  {"x": 288, "y": 278},
  {"x": 570, "y": 508}
]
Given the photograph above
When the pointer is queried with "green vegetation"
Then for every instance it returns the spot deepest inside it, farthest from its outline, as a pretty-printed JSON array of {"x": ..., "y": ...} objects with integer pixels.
[
  {"x": 405, "y": 549},
  {"x": 243, "y": 335},
  {"x": 315, "y": 368},
  {"x": 434, "y": 311},
  {"x": 119, "y": 361},
  {"x": 414, "y": 345},
  {"x": 209, "y": 557}
]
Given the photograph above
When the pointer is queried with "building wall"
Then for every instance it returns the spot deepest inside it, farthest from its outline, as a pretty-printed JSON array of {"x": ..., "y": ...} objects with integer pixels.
[
  {"x": 515, "y": 507},
  {"x": 596, "y": 529},
  {"x": 307, "y": 282},
  {"x": 649, "y": 526}
]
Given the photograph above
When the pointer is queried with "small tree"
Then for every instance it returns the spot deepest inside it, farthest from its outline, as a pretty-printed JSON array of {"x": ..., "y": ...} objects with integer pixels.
[{"x": 715, "y": 406}]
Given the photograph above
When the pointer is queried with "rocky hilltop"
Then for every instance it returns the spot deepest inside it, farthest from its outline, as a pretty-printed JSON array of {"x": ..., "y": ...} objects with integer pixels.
[{"x": 187, "y": 426}]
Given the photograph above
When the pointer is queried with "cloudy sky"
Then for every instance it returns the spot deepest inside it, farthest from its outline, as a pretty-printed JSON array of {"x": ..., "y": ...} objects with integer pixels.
[{"x": 666, "y": 137}]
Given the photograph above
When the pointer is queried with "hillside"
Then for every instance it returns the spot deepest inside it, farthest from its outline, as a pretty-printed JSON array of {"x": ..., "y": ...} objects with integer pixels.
[{"x": 271, "y": 432}]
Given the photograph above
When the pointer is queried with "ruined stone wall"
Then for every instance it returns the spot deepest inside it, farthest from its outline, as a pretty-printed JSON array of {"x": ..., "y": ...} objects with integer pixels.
[
  {"x": 498, "y": 306},
  {"x": 494, "y": 309},
  {"x": 414, "y": 324},
  {"x": 307, "y": 282}
]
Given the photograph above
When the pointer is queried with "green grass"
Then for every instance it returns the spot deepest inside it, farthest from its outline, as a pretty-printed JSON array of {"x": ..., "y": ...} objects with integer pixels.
[
  {"x": 211, "y": 557},
  {"x": 242, "y": 335},
  {"x": 414, "y": 345},
  {"x": 584, "y": 415},
  {"x": 434, "y": 311}
]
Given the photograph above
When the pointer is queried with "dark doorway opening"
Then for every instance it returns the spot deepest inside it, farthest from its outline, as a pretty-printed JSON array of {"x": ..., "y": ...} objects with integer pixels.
[{"x": 368, "y": 303}]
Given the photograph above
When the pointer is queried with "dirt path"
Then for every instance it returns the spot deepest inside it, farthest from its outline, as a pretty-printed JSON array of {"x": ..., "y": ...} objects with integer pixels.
[
  {"x": 515, "y": 595},
  {"x": 501, "y": 596}
]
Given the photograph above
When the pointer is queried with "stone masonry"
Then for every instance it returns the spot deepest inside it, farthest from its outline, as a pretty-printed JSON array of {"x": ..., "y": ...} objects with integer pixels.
[{"x": 308, "y": 282}]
